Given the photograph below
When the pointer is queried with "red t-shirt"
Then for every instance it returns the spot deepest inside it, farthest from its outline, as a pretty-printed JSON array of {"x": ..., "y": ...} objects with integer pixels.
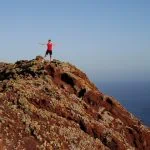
[{"x": 49, "y": 46}]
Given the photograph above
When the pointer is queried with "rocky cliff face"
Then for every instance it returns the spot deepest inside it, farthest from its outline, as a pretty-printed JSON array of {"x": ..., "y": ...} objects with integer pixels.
[{"x": 49, "y": 106}]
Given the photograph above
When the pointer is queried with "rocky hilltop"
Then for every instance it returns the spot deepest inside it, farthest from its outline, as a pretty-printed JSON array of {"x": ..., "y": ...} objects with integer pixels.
[{"x": 54, "y": 106}]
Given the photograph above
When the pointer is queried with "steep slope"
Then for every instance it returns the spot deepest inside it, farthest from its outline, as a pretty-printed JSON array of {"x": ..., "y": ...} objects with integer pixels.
[{"x": 53, "y": 105}]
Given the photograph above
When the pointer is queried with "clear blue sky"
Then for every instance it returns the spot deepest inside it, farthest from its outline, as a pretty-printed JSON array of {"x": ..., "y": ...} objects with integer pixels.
[{"x": 107, "y": 39}]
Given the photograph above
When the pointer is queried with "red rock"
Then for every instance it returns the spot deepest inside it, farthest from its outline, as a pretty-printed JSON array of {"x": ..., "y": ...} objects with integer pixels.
[{"x": 55, "y": 106}]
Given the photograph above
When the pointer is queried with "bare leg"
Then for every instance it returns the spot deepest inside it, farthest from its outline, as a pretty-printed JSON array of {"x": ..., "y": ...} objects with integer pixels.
[
  {"x": 50, "y": 58},
  {"x": 45, "y": 54}
]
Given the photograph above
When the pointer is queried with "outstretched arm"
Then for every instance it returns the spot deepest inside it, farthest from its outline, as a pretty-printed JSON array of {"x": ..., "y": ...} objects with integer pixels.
[{"x": 41, "y": 43}]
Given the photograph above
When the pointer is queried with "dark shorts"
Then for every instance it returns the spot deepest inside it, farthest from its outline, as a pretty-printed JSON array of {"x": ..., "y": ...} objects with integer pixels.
[{"x": 49, "y": 52}]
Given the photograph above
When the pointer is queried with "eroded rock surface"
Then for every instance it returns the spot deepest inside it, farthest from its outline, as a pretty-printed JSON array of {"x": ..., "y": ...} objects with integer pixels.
[{"x": 49, "y": 106}]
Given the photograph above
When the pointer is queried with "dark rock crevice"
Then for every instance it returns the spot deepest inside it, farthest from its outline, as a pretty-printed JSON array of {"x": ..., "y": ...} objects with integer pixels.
[
  {"x": 81, "y": 93},
  {"x": 82, "y": 126},
  {"x": 67, "y": 79},
  {"x": 109, "y": 101}
]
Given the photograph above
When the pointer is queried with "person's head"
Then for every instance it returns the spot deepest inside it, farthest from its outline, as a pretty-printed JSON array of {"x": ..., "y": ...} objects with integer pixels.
[{"x": 49, "y": 40}]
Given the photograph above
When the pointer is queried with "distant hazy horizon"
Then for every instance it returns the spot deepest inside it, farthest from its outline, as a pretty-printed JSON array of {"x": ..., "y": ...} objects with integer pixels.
[{"x": 109, "y": 40}]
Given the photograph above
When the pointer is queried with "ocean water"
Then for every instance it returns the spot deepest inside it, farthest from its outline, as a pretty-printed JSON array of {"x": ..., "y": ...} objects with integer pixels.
[{"x": 134, "y": 96}]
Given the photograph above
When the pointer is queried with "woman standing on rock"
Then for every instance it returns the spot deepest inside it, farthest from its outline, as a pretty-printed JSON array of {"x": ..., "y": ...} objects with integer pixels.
[{"x": 49, "y": 49}]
